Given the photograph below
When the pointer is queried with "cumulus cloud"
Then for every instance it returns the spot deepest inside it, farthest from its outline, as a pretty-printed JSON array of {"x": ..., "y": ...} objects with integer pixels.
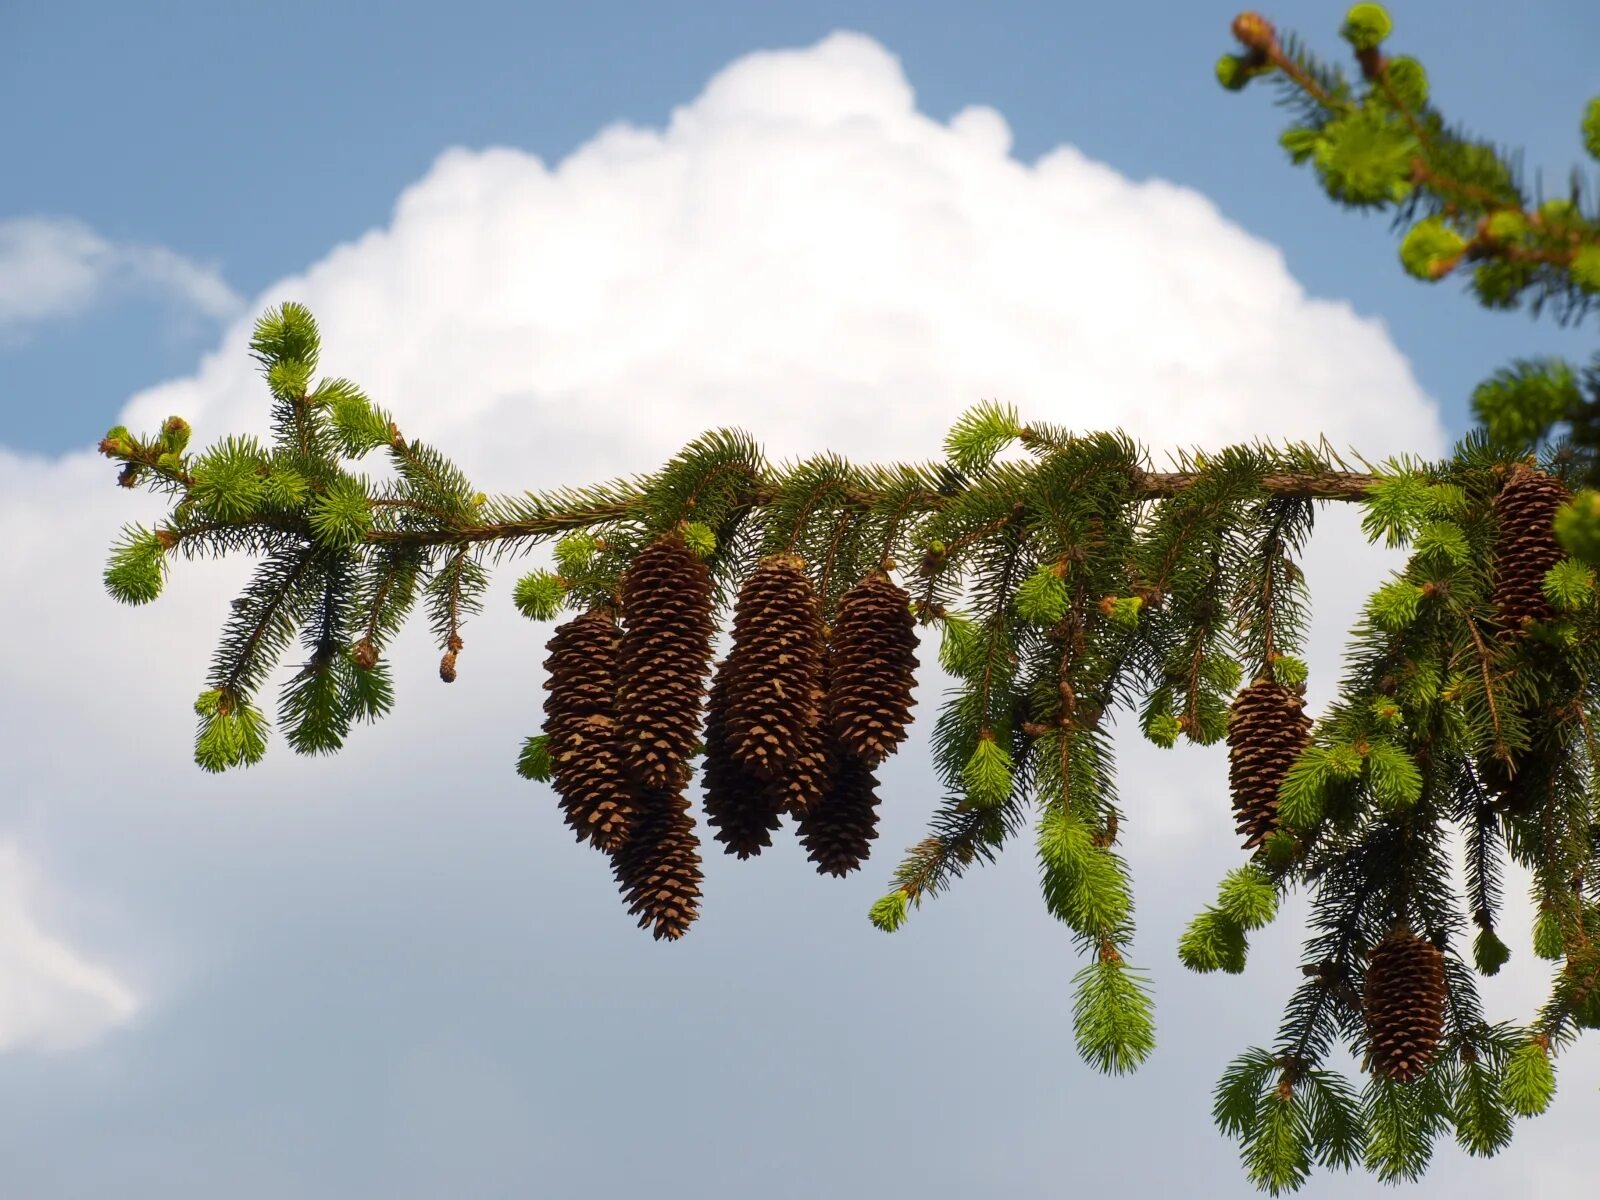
[
  {"x": 801, "y": 252},
  {"x": 54, "y": 998},
  {"x": 54, "y": 267}
]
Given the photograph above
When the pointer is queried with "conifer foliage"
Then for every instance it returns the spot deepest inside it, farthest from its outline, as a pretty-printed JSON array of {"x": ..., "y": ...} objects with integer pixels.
[{"x": 1065, "y": 580}]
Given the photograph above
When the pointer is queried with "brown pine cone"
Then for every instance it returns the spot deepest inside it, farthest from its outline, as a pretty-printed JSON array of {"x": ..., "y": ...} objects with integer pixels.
[
  {"x": 1267, "y": 730},
  {"x": 837, "y": 829},
  {"x": 1403, "y": 1002},
  {"x": 658, "y": 865},
  {"x": 741, "y": 808},
  {"x": 806, "y": 778},
  {"x": 774, "y": 666},
  {"x": 1525, "y": 547},
  {"x": 874, "y": 669},
  {"x": 1526, "y": 786},
  {"x": 580, "y": 721},
  {"x": 663, "y": 661}
]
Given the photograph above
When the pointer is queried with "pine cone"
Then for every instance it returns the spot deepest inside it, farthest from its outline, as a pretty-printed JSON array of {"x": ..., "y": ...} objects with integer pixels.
[
  {"x": 742, "y": 808},
  {"x": 1525, "y": 547},
  {"x": 1526, "y": 787},
  {"x": 1403, "y": 1002},
  {"x": 1267, "y": 730},
  {"x": 838, "y": 828},
  {"x": 580, "y": 721},
  {"x": 806, "y": 779},
  {"x": 874, "y": 669},
  {"x": 774, "y": 667},
  {"x": 663, "y": 661},
  {"x": 658, "y": 865}
]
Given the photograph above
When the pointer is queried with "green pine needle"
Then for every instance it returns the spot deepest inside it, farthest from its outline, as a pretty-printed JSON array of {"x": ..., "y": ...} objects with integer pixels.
[
  {"x": 236, "y": 738},
  {"x": 1365, "y": 26},
  {"x": 888, "y": 913},
  {"x": 1530, "y": 1080},
  {"x": 358, "y": 425},
  {"x": 1489, "y": 953},
  {"x": 138, "y": 567},
  {"x": 987, "y": 775},
  {"x": 229, "y": 479},
  {"x": 575, "y": 551},
  {"x": 341, "y": 516},
  {"x": 1395, "y": 605},
  {"x": 1430, "y": 249},
  {"x": 287, "y": 333},
  {"x": 961, "y": 648},
  {"x": 1548, "y": 942},
  {"x": 1042, "y": 596},
  {"x": 1084, "y": 885},
  {"x": 980, "y": 434},
  {"x": 534, "y": 761},
  {"x": 539, "y": 595},
  {"x": 1482, "y": 1119},
  {"x": 702, "y": 542},
  {"x": 1113, "y": 1017},
  {"x": 1248, "y": 897},
  {"x": 1393, "y": 776},
  {"x": 1277, "y": 1149},
  {"x": 1213, "y": 941},
  {"x": 1569, "y": 585}
]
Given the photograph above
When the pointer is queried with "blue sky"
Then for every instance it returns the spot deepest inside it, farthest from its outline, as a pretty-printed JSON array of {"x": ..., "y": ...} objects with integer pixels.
[{"x": 391, "y": 972}]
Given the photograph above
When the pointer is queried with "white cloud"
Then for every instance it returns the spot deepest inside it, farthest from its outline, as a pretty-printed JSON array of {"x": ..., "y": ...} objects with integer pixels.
[
  {"x": 53, "y": 998},
  {"x": 803, "y": 253},
  {"x": 800, "y": 252},
  {"x": 53, "y": 267}
]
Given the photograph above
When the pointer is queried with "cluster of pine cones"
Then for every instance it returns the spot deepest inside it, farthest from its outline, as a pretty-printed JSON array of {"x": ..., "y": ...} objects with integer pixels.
[
  {"x": 1267, "y": 729},
  {"x": 796, "y": 721},
  {"x": 1403, "y": 992}
]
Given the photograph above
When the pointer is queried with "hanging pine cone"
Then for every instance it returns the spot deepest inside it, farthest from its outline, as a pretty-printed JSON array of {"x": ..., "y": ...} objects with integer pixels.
[
  {"x": 663, "y": 661},
  {"x": 1526, "y": 787},
  {"x": 1403, "y": 1002},
  {"x": 837, "y": 829},
  {"x": 805, "y": 780},
  {"x": 580, "y": 721},
  {"x": 1267, "y": 730},
  {"x": 741, "y": 808},
  {"x": 773, "y": 667},
  {"x": 1525, "y": 547},
  {"x": 658, "y": 865},
  {"x": 874, "y": 669}
]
